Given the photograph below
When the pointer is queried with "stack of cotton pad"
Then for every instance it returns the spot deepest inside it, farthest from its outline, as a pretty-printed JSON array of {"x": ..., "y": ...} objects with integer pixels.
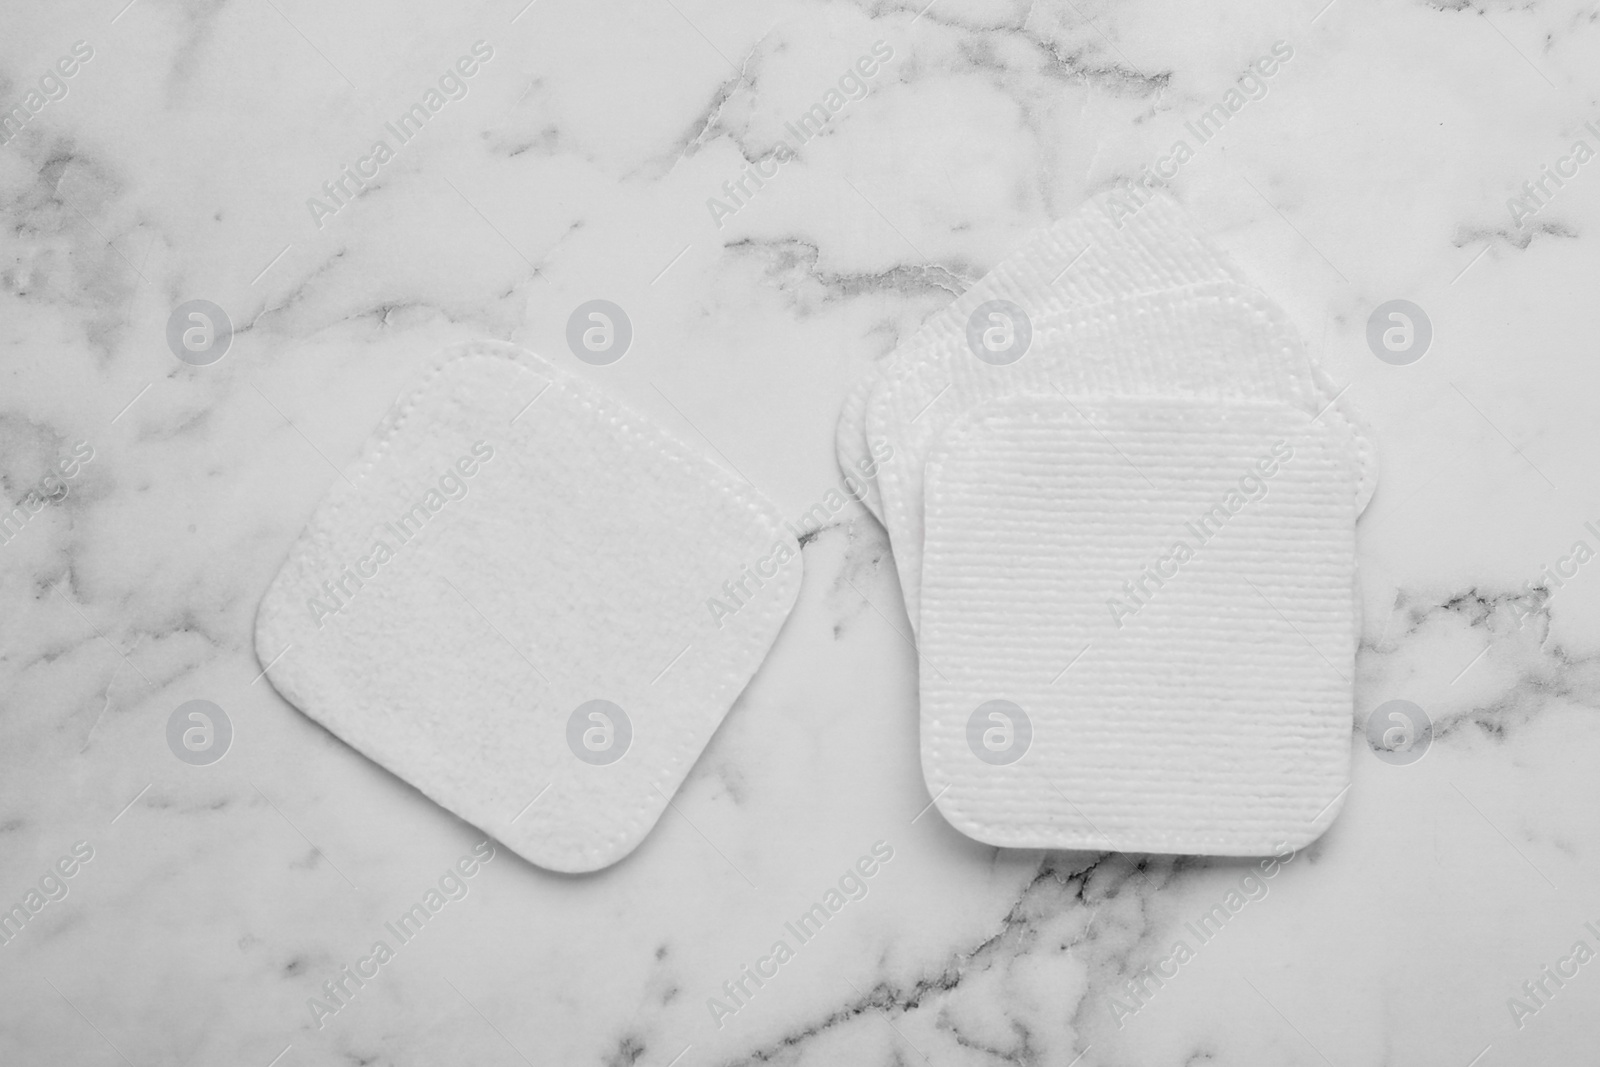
[
  {"x": 506, "y": 604},
  {"x": 1122, "y": 509}
]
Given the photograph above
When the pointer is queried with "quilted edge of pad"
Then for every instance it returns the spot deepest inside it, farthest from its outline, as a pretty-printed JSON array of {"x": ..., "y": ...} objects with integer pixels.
[
  {"x": 623, "y": 419},
  {"x": 972, "y": 420}
]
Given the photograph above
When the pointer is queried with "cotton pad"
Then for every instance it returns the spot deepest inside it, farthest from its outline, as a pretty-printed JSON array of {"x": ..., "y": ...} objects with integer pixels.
[
  {"x": 530, "y": 603},
  {"x": 1082, "y": 260},
  {"x": 1219, "y": 341},
  {"x": 1138, "y": 623},
  {"x": 1148, "y": 307}
]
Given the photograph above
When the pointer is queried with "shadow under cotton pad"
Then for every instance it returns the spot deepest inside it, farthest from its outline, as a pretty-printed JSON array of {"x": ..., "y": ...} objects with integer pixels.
[{"x": 504, "y": 603}]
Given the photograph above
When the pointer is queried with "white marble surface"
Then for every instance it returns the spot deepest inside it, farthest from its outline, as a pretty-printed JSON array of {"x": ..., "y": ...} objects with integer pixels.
[{"x": 218, "y": 899}]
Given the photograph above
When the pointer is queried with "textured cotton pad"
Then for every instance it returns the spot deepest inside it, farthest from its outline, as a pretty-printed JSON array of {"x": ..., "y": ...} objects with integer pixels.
[
  {"x": 1213, "y": 341},
  {"x": 1190, "y": 699},
  {"x": 1082, "y": 260},
  {"x": 513, "y": 546},
  {"x": 1117, "y": 303}
]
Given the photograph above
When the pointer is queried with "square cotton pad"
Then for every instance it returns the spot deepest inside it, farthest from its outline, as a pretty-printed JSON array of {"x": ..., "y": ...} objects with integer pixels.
[
  {"x": 531, "y": 604},
  {"x": 1138, "y": 624},
  {"x": 1217, "y": 341},
  {"x": 1102, "y": 305},
  {"x": 1082, "y": 260}
]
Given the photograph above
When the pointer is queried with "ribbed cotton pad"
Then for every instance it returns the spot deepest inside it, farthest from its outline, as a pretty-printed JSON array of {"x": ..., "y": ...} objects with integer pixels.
[
  {"x": 1081, "y": 260},
  {"x": 1213, "y": 340},
  {"x": 542, "y": 548},
  {"x": 1205, "y": 710}
]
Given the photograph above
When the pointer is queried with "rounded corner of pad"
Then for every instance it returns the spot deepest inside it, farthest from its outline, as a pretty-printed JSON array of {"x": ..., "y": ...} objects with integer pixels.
[
  {"x": 794, "y": 578},
  {"x": 1320, "y": 823},
  {"x": 268, "y": 634},
  {"x": 575, "y": 862}
]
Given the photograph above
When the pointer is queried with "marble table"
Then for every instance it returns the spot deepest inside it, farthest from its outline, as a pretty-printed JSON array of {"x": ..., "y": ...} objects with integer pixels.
[{"x": 539, "y": 155}]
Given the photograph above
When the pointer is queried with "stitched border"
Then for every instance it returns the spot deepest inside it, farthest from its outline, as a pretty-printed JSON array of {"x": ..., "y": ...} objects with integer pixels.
[{"x": 641, "y": 434}]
